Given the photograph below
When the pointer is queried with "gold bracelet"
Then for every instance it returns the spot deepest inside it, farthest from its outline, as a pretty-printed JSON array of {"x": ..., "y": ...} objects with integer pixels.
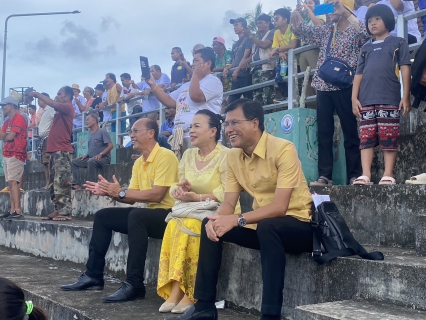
[
  {"x": 201, "y": 198},
  {"x": 156, "y": 86}
]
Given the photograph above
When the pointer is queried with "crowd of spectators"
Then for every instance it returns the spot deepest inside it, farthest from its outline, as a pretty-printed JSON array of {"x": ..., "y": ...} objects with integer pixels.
[{"x": 266, "y": 167}]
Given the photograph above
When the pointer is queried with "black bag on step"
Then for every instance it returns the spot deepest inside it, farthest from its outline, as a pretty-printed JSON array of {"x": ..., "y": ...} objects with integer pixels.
[{"x": 331, "y": 230}]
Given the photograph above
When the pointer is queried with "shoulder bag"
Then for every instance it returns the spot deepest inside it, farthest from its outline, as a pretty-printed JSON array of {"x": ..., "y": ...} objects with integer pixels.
[
  {"x": 332, "y": 237},
  {"x": 193, "y": 210},
  {"x": 336, "y": 71}
]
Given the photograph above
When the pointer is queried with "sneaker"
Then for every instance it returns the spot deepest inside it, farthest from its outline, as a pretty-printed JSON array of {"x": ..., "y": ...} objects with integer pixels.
[
  {"x": 16, "y": 215},
  {"x": 5, "y": 190},
  {"x": 280, "y": 100},
  {"x": 6, "y": 215}
]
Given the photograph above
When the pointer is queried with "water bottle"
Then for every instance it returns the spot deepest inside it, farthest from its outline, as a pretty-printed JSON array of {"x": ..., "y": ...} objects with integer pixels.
[{"x": 283, "y": 68}]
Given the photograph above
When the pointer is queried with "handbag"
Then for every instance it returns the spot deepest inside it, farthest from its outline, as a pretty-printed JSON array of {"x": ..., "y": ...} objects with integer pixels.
[
  {"x": 336, "y": 71},
  {"x": 193, "y": 210},
  {"x": 332, "y": 237}
]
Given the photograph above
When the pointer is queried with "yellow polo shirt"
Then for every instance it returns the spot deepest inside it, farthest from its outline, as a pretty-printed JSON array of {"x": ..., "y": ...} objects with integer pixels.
[
  {"x": 160, "y": 169},
  {"x": 273, "y": 164},
  {"x": 282, "y": 40}
]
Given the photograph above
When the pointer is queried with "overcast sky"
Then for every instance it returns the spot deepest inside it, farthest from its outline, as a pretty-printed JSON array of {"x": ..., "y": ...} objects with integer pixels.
[{"x": 47, "y": 52}]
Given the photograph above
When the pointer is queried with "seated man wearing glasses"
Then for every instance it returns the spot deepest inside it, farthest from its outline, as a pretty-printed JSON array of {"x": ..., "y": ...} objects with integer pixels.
[
  {"x": 153, "y": 174},
  {"x": 269, "y": 169}
]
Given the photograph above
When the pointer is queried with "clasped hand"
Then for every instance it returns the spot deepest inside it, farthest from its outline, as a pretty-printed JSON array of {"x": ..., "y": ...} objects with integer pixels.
[
  {"x": 103, "y": 187},
  {"x": 183, "y": 193},
  {"x": 219, "y": 225}
]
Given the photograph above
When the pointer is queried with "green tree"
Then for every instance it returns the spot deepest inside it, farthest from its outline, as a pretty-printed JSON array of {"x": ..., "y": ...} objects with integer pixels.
[{"x": 251, "y": 16}]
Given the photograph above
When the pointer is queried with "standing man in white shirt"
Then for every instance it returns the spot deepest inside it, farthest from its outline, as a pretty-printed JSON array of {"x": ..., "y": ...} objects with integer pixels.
[
  {"x": 204, "y": 91},
  {"x": 78, "y": 119},
  {"x": 43, "y": 132},
  {"x": 130, "y": 88}
]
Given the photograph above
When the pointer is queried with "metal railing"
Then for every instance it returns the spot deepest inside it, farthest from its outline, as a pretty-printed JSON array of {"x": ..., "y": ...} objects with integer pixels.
[{"x": 402, "y": 23}]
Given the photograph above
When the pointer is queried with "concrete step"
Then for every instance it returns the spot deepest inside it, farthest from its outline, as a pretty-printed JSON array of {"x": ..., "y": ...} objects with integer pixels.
[
  {"x": 40, "y": 279},
  {"x": 400, "y": 279},
  {"x": 391, "y": 216},
  {"x": 357, "y": 310}
]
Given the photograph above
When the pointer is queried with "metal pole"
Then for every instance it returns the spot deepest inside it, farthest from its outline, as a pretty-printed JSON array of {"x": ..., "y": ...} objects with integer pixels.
[{"x": 290, "y": 78}]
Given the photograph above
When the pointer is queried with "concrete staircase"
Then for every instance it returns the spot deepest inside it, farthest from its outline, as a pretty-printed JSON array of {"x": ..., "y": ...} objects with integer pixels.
[{"x": 41, "y": 255}]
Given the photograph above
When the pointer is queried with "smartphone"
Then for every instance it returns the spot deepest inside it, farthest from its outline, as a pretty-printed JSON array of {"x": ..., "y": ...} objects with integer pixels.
[
  {"x": 299, "y": 1},
  {"x": 145, "y": 67},
  {"x": 325, "y": 8}
]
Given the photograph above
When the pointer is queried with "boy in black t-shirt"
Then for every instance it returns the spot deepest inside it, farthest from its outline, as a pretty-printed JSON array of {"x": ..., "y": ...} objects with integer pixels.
[{"x": 376, "y": 94}]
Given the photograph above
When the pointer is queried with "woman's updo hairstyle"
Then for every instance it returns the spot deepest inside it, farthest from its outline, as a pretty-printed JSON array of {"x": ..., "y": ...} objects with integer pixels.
[{"x": 215, "y": 121}]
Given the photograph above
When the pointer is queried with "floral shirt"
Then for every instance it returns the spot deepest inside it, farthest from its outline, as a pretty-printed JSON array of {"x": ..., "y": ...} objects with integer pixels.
[{"x": 346, "y": 46}]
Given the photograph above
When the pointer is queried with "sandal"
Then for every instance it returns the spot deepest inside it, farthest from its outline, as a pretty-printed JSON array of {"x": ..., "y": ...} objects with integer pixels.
[
  {"x": 321, "y": 181},
  {"x": 51, "y": 216},
  {"x": 63, "y": 218},
  {"x": 387, "y": 180},
  {"x": 419, "y": 179},
  {"x": 362, "y": 180}
]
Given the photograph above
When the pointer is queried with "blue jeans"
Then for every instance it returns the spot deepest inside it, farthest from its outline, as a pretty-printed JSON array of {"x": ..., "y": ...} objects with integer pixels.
[
  {"x": 122, "y": 122},
  {"x": 162, "y": 141}
]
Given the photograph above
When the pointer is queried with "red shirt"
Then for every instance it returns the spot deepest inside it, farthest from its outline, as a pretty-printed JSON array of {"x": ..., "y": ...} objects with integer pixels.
[
  {"x": 18, "y": 146},
  {"x": 59, "y": 138}
]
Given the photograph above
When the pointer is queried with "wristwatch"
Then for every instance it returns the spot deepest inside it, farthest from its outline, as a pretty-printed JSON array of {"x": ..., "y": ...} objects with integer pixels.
[
  {"x": 241, "y": 220},
  {"x": 122, "y": 193}
]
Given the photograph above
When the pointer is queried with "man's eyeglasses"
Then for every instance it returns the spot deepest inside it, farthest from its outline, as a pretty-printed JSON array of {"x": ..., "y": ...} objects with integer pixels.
[
  {"x": 233, "y": 123},
  {"x": 276, "y": 18},
  {"x": 134, "y": 131}
]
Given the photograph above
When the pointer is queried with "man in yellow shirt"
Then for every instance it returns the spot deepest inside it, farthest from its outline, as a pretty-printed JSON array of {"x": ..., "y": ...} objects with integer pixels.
[
  {"x": 269, "y": 169},
  {"x": 284, "y": 40},
  {"x": 152, "y": 176}
]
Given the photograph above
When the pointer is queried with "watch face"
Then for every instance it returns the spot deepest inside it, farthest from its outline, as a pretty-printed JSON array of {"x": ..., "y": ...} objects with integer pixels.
[
  {"x": 122, "y": 194},
  {"x": 242, "y": 221}
]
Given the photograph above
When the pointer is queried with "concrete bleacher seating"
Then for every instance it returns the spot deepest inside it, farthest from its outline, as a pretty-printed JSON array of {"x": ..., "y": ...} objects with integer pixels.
[{"x": 41, "y": 255}]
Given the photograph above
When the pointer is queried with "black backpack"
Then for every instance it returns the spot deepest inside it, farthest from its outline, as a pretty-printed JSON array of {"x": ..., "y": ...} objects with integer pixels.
[{"x": 331, "y": 231}]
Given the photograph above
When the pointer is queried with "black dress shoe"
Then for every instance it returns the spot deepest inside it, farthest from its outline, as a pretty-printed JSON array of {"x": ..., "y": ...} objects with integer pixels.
[
  {"x": 84, "y": 283},
  {"x": 127, "y": 292},
  {"x": 192, "y": 314}
]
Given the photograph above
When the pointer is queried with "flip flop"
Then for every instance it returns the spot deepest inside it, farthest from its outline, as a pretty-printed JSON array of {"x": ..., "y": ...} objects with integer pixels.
[
  {"x": 385, "y": 180},
  {"x": 419, "y": 179},
  {"x": 62, "y": 218},
  {"x": 363, "y": 180},
  {"x": 321, "y": 181},
  {"x": 50, "y": 216}
]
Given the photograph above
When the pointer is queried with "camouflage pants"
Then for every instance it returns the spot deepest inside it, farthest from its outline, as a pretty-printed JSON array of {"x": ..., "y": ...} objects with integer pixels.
[
  {"x": 264, "y": 95},
  {"x": 60, "y": 182}
]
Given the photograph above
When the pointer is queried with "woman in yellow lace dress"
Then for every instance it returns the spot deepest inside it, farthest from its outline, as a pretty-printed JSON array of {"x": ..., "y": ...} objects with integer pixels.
[{"x": 201, "y": 176}]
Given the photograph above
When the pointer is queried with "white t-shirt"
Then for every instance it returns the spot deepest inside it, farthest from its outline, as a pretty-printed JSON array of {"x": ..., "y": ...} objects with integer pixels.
[
  {"x": 106, "y": 111},
  {"x": 130, "y": 105},
  {"x": 186, "y": 108},
  {"x": 46, "y": 121},
  {"x": 413, "y": 27}
]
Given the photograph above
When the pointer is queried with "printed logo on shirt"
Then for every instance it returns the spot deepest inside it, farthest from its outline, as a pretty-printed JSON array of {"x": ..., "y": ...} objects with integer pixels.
[
  {"x": 179, "y": 67},
  {"x": 182, "y": 106},
  {"x": 376, "y": 49}
]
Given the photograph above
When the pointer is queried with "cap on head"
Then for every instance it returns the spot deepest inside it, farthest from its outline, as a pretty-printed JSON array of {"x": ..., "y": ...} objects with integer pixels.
[
  {"x": 99, "y": 87},
  {"x": 76, "y": 87},
  {"x": 10, "y": 100},
  {"x": 240, "y": 20},
  {"x": 264, "y": 17},
  {"x": 219, "y": 39}
]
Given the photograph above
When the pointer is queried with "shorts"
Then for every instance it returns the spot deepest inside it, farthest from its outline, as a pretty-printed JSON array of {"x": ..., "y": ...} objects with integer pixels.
[
  {"x": 379, "y": 126},
  {"x": 13, "y": 169},
  {"x": 45, "y": 157}
]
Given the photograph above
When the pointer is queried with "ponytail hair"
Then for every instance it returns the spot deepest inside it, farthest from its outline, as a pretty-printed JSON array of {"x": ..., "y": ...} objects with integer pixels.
[
  {"x": 13, "y": 305},
  {"x": 215, "y": 121}
]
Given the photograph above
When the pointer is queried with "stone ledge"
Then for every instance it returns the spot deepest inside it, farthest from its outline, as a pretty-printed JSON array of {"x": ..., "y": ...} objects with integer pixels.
[
  {"x": 400, "y": 279},
  {"x": 357, "y": 310}
]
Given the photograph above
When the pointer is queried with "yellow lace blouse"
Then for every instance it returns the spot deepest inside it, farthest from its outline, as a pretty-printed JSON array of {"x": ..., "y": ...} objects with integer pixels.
[{"x": 210, "y": 179}]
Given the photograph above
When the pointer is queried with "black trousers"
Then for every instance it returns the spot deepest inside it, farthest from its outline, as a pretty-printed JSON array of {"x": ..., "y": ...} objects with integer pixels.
[
  {"x": 274, "y": 237},
  {"x": 138, "y": 224},
  {"x": 241, "y": 83},
  {"x": 339, "y": 101}
]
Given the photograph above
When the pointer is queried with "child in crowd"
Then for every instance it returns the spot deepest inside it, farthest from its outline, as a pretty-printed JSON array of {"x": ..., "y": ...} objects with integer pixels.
[
  {"x": 376, "y": 94},
  {"x": 13, "y": 305}
]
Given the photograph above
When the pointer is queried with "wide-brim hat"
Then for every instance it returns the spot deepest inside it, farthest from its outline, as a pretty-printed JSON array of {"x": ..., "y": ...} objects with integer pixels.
[{"x": 76, "y": 87}]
